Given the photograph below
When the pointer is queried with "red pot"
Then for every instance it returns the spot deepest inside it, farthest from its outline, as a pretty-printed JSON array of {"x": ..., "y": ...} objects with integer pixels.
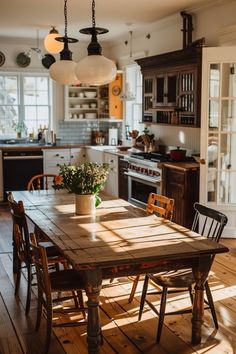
[{"x": 177, "y": 154}]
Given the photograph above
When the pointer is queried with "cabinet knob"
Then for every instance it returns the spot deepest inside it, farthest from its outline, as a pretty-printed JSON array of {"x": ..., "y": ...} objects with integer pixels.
[
  {"x": 62, "y": 157},
  {"x": 57, "y": 155},
  {"x": 202, "y": 161},
  {"x": 71, "y": 156}
]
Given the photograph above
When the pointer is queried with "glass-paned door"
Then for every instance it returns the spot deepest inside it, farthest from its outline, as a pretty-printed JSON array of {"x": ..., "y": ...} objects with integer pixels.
[{"x": 218, "y": 132}]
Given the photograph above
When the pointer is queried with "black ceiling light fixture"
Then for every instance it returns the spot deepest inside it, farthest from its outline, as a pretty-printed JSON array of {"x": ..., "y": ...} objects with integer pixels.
[
  {"x": 95, "y": 69},
  {"x": 63, "y": 71}
]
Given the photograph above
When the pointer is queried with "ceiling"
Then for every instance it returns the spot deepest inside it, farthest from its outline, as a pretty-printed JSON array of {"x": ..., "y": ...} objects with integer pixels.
[{"x": 24, "y": 18}]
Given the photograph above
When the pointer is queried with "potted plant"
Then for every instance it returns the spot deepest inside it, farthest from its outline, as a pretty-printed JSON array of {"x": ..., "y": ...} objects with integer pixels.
[{"x": 85, "y": 181}]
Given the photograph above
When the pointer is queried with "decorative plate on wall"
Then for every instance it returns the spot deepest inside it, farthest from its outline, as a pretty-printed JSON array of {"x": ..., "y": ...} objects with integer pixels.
[
  {"x": 116, "y": 90},
  {"x": 22, "y": 60},
  {"x": 2, "y": 58},
  {"x": 48, "y": 60}
]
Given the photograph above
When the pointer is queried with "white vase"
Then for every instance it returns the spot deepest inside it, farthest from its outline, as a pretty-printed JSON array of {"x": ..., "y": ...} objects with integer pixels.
[{"x": 84, "y": 204}]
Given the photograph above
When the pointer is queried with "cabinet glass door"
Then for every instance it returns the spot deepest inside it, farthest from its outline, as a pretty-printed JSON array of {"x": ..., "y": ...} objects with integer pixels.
[{"x": 218, "y": 133}]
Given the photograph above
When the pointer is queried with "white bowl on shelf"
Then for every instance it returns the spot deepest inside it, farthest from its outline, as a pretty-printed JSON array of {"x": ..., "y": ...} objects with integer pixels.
[
  {"x": 90, "y": 115},
  {"x": 90, "y": 94},
  {"x": 93, "y": 105},
  {"x": 85, "y": 105}
]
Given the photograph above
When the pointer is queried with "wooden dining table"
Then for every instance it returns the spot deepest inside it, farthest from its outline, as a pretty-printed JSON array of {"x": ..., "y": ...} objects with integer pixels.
[{"x": 119, "y": 240}]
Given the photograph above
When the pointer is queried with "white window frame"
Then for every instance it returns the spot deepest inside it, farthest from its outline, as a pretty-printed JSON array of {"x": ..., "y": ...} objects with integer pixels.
[
  {"x": 21, "y": 103},
  {"x": 135, "y": 85}
]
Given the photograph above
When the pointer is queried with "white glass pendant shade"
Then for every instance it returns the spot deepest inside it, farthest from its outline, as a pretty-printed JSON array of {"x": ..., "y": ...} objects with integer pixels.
[
  {"x": 63, "y": 72},
  {"x": 51, "y": 45},
  {"x": 96, "y": 70}
]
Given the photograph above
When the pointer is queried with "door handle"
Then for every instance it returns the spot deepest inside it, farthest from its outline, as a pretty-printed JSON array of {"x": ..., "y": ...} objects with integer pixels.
[{"x": 202, "y": 161}]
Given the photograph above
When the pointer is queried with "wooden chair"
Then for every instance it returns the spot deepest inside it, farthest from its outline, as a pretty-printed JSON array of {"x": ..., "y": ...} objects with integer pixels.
[
  {"x": 22, "y": 253},
  {"x": 67, "y": 280},
  {"x": 164, "y": 207},
  {"x": 41, "y": 181},
  {"x": 209, "y": 223}
]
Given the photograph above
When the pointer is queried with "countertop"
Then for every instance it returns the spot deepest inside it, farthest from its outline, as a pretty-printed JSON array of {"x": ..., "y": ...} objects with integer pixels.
[{"x": 185, "y": 165}]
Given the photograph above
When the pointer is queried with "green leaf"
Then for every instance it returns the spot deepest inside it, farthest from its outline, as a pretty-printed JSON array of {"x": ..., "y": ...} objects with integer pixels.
[{"x": 98, "y": 201}]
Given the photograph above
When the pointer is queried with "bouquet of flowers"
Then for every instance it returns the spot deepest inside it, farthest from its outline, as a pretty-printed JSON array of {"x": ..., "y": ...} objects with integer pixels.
[{"x": 86, "y": 178}]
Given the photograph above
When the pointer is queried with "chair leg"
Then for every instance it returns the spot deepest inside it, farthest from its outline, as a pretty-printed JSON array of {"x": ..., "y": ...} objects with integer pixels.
[
  {"x": 162, "y": 313},
  {"x": 18, "y": 276},
  {"x": 211, "y": 304},
  {"x": 143, "y": 297},
  {"x": 29, "y": 280},
  {"x": 81, "y": 302},
  {"x": 190, "y": 290},
  {"x": 134, "y": 287},
  {"x": 39, "y": 310},
  {"x": 49, "y": 327}
]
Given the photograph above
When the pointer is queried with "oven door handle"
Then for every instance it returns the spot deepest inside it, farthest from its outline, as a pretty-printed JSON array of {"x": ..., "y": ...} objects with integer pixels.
[
  {"x": 147, "y": 178},
  {"x": 23, "y": 157}
]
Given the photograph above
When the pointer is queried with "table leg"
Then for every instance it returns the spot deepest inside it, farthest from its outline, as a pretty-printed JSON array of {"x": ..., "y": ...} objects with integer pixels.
[
  {"x": 200, "y": 272},
  {"x": 93, "y": 288}
]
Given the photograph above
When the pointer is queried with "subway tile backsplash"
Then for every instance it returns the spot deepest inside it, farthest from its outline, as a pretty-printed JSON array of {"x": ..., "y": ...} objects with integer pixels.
[{"x": 80, "y": 132}]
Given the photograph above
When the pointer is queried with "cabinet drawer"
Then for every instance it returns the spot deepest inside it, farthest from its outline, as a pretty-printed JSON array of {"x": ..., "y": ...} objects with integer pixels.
[
  {"x": 175, "y": 177},
  {"x": 56, "y": 157}
]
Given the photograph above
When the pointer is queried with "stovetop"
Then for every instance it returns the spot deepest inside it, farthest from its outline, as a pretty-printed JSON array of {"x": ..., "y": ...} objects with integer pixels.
[{"x": 156, "y": 156}]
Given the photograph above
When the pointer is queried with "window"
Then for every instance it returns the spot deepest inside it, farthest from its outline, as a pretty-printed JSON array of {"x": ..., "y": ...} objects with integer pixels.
[
  {"x": 133, "y": 108},
  {"x": 25, "y": 104}
]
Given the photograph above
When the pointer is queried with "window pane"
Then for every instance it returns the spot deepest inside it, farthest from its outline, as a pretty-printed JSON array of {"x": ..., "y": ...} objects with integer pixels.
[
  {"x": 228, "y": 80},
  {"x": 214, "y": 80},
  {"x": 29, "y": 97},
  {"x": 42, "y": 83},
  {"x": 227, "y": 146},
  {"x": 212, "y": 185},
  {"x": 42, "y": 97},
  {"x": 29, "y": 83},
  {"x": 227, "y": 192},
  {"x": 212, "y": 150},
  {"x": 228, "y": 115},
  {"x": 213, "y": 114}
]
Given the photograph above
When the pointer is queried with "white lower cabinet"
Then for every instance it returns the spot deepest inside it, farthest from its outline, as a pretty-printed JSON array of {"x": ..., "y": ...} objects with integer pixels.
[
  {"x": 53, "y": 158},
  {"x": 111, "y": 186},
  {"x": 94, "y": 155},
  {"x": 77, "y": 156}
]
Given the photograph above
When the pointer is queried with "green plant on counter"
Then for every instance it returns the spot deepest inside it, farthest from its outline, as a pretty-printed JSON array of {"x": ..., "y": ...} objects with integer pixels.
[{"x": 86, "y": 178}]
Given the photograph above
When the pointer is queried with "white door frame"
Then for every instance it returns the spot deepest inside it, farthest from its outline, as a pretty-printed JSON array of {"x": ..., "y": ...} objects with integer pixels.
[{"x": 213, "y": 55}]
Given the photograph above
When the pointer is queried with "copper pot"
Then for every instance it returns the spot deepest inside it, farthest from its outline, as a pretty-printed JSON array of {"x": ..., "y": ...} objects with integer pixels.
[{"x": 178, "y": 154}]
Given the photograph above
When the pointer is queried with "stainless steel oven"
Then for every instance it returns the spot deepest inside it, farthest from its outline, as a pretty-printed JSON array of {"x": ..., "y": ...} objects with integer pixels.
[
  {"x": 139, "y": 189},
  {"x": 144, "y": 177}
]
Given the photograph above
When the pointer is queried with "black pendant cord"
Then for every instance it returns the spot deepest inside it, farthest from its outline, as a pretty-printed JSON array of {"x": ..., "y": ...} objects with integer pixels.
[
  {"x": 65, "y": 16},
  {"x": 66, "y": 54},
  {"x": 93, "y": 14},
  {"x": 94, "y": 48}
]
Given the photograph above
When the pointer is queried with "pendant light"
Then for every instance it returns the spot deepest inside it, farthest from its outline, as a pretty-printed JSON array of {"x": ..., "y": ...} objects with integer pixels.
[
  {"x": 50, "y": 44},
  {"x": 95, "y": 69},
  {"x": 127, "y": 95},
  {"x": 63, "y": 71}
]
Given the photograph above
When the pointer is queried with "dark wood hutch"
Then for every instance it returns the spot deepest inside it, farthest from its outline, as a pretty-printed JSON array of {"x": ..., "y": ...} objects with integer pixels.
[{"x": 172, "y": 87}]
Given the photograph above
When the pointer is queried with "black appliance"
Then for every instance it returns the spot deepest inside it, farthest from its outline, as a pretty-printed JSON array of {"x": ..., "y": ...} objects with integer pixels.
[{"x": 19, "y": 166}]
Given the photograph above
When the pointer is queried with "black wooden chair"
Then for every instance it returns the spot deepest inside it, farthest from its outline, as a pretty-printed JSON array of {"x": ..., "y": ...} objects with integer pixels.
[
  {"x": 162, "y": 206},
  {"x": 209, "y": 223},
  {"x": 61, "y": 282},
  {"x": 22, "y": 252}
]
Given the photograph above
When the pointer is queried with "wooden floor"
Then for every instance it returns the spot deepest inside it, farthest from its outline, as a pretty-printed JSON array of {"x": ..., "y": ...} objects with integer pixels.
[{"x": 122, "y": 332}]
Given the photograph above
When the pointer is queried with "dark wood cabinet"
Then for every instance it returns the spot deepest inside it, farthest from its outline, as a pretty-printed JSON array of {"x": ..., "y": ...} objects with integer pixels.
[
  {"x": 182, "y": 184},
  {"x": 165, "y": 90},
  {"x": 123, "y": 179},
  {"x": 172, "y": 87}
]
